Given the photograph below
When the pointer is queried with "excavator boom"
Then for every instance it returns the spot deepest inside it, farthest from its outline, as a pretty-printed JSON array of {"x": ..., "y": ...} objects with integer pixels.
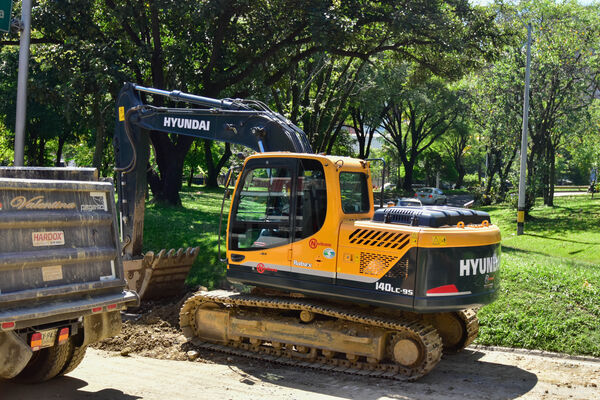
[{"x": 245, "y": 122}]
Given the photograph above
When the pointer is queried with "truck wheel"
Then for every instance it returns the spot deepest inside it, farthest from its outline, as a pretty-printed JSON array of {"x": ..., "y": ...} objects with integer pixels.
[
  {"x": 75, "y": 358},
  {"x": 45, "y": 364}
]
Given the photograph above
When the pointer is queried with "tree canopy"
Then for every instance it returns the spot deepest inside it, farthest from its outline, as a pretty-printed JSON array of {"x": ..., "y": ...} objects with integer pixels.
[{"x": 430, "y": 83}]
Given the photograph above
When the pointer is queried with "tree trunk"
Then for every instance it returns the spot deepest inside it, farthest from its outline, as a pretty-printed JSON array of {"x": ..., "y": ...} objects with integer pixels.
[
  {"x": 100, "y": 134},
  {"x": 170, "y": 160},
  {"x": 212, "y": 170},
  {"x": 488, "y": 184},
  {"x": 41, "y": 154},
  {"x": 190, "y": 176},
  {"x": 461, "y": 175},
  {"x": 408, "y": 175},
  {"x": 61, "y": 144},
  {"x": 552, "y": 161}
]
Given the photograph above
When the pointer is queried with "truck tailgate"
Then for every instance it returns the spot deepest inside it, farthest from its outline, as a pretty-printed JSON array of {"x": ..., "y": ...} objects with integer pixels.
[{"x": 58, "y": 242}]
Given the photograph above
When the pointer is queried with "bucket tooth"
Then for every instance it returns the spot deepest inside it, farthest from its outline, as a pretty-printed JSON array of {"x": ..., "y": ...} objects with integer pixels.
[{"x": 162, "y": 274}]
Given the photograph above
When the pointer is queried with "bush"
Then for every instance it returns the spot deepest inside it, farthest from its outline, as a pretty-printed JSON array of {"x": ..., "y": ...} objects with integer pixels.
[{"x": 471, "y": 181}]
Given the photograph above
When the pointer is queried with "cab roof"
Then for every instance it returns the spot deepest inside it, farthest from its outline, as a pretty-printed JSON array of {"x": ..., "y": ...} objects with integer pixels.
[{"x": 346, "y": 161}]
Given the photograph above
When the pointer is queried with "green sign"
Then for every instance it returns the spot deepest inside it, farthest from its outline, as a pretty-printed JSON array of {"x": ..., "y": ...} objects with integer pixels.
[{"x": 5, "y": 11}]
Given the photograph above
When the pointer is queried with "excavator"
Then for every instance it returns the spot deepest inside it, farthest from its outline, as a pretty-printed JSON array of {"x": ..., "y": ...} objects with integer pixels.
[{"x": 330, "y": 282}]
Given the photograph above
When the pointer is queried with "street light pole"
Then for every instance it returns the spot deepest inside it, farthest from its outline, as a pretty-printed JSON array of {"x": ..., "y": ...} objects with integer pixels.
[
  {"x": 22, "y": 83},
  {"x": 522, "y": 183}
]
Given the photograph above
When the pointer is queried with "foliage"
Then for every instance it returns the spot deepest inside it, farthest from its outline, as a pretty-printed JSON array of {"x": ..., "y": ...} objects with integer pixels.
[
  {"x": 564, "y": 79},
  {"x": 416, "y": 114},
  {"x": 304, "y": 59}
]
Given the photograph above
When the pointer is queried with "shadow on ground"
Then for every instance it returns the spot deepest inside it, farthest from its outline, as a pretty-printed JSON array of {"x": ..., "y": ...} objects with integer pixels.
[
  {"x": 64, "y": 388},
  {"x": 462, "y": 376}
]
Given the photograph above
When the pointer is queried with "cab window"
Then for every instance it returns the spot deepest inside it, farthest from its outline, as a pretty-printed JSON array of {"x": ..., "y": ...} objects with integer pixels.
[
  {"x": 355, "y": 192},
  {"x": 262, "y": 217}
]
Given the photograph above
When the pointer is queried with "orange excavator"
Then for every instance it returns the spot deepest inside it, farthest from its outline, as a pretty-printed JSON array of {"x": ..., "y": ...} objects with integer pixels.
[{"x": 332, "y": 283}]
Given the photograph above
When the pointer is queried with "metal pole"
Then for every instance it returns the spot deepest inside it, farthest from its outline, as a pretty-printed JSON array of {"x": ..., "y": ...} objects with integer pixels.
[
  {"x": 22, "y": 83},
  {"x": 522, "y": 183}
]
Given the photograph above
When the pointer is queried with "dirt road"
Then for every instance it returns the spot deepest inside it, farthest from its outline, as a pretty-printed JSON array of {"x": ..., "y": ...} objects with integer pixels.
[{"x": 474, "y": 374}]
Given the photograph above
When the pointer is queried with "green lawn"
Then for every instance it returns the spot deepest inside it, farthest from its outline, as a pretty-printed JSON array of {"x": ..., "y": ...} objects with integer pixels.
[
  {"x": 550, "y": 287},
  {"x": 195, "y": 224}
]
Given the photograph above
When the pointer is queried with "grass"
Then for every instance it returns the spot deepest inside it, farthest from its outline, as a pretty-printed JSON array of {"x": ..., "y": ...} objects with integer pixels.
[
  {"x": 550, "y": 287},
  {"x": 550, "y": 280},
  {"x": 194, "y": 224},
  {"x": 570, "y": 188}
]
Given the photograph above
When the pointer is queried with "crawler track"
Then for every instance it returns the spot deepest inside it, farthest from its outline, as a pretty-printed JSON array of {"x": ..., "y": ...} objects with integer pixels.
[{"x": 417, "y": 331}]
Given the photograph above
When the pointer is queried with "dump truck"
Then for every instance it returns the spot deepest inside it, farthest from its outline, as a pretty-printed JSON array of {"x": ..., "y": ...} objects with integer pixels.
[
  {"x": 62, "y": 285},
  {"x": 336, "y": 284}
]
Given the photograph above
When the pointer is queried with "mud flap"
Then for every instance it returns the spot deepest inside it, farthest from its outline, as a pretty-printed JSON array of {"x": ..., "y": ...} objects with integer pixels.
[
  {"x": 160, "y": 275},
  {"x": 100, "y": 326},
  {"x": 14, "y": 355}
]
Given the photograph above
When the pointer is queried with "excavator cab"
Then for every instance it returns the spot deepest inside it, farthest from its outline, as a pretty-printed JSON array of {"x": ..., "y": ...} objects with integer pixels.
[{"x": 285, "y": 216}]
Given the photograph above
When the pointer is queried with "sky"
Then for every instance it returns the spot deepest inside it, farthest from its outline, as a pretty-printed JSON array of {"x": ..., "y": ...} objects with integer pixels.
[{"x": 486, "y": 2}]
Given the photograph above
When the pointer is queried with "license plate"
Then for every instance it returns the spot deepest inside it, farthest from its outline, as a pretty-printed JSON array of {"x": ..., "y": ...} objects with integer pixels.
[{"x": 49, "y": 337}]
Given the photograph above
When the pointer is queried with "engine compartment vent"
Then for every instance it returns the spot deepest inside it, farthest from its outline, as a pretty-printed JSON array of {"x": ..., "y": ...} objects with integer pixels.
[
  {"x": 374, "y": 238},
  {"x": 375, "y": 264},
  {"x": 430, "y": 216}
]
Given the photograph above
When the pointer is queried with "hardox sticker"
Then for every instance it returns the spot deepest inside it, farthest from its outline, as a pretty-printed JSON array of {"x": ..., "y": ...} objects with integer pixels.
[{"x": 55, "y": 238}]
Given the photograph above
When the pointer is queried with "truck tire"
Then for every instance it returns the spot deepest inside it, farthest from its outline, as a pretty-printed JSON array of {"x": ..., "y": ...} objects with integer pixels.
[
  {"x": 75, "y": 358},
  {"x": 45, "y": 364}
]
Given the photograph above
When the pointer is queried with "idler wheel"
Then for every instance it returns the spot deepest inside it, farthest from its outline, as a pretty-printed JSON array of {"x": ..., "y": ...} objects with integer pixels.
[{"x": 452, "y": 329}]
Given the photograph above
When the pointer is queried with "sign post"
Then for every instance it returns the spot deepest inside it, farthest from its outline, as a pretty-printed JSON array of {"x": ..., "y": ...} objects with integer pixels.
[
  {"x": 522, "y": 183},
  {"x": 22, "y": 83},
  {"x": 5, "y": 11}
]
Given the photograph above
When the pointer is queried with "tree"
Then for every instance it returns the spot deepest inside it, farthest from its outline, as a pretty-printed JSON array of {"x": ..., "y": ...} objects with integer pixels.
[
  {"x": 564, "y": 79},
  {"x": 416, "y": 116},
  {"x": 46, "y": 117},
  {"x": 457, "y": 145},
  {"x": 494, "y": 96}
]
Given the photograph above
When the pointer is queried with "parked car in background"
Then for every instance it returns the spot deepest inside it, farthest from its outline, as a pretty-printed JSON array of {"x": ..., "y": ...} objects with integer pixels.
[
  {"x": 408, "y": 202},
  {"x": 428, "y": 195}
]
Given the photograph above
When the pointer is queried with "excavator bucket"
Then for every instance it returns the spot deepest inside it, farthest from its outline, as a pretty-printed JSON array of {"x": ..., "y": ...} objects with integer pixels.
[{"x": 160, "y": 275}]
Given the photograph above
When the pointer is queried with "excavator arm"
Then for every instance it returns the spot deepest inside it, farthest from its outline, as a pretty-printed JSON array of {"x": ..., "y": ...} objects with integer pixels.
[{"x": 246, "y": 122}]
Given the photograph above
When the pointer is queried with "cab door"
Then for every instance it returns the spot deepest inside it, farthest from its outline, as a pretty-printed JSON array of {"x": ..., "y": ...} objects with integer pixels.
[
  {"x": 260, "y": 225},
  {"x": 315, "y": 235}
]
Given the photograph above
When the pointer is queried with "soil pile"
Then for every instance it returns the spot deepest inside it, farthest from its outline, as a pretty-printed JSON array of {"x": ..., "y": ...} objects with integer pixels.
[{"x": 152, "y": 330}]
